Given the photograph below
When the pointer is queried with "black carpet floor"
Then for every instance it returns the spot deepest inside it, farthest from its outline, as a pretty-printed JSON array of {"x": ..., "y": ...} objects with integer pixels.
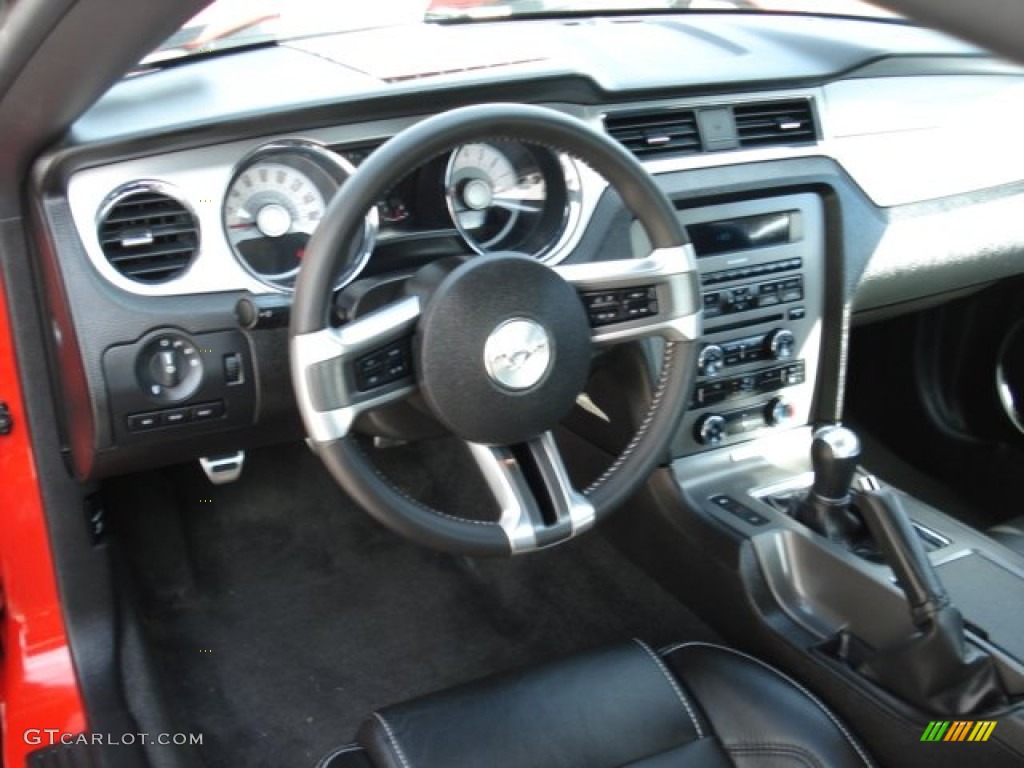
[{"x": 299, "y": 614}]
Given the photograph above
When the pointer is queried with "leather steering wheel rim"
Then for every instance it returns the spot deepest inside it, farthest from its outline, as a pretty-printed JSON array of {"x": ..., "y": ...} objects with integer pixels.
[{"x": 321, "y": 355}]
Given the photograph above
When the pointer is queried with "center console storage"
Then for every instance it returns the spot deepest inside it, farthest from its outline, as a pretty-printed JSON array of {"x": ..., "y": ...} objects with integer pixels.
[{"x": 850, "y": 604}]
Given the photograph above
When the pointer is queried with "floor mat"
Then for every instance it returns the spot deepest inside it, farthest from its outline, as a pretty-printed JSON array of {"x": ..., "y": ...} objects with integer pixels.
[{"x": 304, "y": 614}]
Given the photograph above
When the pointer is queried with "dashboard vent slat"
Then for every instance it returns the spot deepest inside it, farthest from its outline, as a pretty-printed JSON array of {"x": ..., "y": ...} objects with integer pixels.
[
  {"x": 773, "y": 123},
  {"x": 654, "y": 134},
  {"x": 148, "y": 235}
]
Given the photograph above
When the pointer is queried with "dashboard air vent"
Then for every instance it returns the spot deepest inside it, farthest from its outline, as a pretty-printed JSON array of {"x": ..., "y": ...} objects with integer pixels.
[
  {"x": 655, "y": 134},
  {"x": 147, "y": 235},
  {"x": 770, "y": 123}
]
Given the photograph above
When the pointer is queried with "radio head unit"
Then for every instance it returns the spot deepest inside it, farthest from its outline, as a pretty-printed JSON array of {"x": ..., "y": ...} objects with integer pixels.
[{"x": 761, "y": 264}]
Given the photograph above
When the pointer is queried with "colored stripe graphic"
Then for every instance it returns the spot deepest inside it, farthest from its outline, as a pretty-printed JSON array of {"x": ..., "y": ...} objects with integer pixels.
[
  {"x": 984, "y": 730},
  {"x": 954, "y": 730},
  {"x": 935, "y": 730},
  {"x": 958, "y": 730}
]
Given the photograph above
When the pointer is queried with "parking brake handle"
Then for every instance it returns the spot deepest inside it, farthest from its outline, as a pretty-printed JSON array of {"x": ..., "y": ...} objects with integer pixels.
[
  {"x": 899, "y": 543},
  {"x": 935, "y": 667}
]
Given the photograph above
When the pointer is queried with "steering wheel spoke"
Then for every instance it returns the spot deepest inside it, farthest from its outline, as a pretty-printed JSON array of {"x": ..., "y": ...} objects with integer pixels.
[
  {"x": 632, "y": 299},
  {"x": 342, "y": 372},
  {"x": 539, "y": 506}
]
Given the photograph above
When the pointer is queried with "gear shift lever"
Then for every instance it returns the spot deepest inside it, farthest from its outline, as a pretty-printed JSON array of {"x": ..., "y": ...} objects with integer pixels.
[{"x": 835, "y": 452}]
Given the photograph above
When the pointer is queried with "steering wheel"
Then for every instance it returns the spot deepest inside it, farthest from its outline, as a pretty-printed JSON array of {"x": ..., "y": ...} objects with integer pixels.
[{"x": 499, "y": 347}]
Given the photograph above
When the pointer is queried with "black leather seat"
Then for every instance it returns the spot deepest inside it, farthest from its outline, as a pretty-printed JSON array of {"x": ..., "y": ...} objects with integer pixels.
[
  {"x": 696, "y": 705},
  {"x": 1010, "y": 534}
]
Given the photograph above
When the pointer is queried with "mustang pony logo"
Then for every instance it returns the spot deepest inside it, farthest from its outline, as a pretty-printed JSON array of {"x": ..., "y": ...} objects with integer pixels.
[{"x": 520, "y": 357}]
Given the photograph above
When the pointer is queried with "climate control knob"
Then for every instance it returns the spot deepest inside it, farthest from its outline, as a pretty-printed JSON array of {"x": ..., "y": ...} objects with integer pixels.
[
  {"x": 710, "y": 360},
  {"x": 710, "y": 429},
  {"x": 780, "y": 344},
  {"x": 778, "y": 411}
]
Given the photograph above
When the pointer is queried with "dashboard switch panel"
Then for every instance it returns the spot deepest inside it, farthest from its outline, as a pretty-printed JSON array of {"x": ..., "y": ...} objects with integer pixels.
[{"x": 171, "y": 384}]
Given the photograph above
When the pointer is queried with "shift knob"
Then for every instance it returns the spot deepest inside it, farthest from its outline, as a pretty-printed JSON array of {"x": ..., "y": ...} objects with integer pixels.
[{"x": 835, "y": 452}]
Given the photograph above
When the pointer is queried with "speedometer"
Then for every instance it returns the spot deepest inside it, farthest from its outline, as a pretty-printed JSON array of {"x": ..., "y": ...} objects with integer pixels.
[
  {"x": 276, "y": 199},
  {"x": 510, "y": 196}
]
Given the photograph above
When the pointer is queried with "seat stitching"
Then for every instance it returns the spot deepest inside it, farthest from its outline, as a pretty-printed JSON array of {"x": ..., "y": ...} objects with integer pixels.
[
  {"x": 339, "y": 751},
  {"x": 828, "y": 713},
  {"x": 675, "y": 686},
  {"x": 394, "y": 741},
  {"x": 805, "y": 756}
]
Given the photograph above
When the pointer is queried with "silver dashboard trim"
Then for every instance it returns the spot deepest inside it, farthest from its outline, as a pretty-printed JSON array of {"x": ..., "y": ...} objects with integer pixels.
[
  {"x": 888, "y": 162},
  {"x": 203, "y": 175}
]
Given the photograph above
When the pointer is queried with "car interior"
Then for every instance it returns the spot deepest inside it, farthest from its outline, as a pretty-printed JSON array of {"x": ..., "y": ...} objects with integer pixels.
[{"x": 541, "y": 386}]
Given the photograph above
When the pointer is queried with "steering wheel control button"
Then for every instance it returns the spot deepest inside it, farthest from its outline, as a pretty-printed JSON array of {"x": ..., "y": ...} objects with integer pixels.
[
  {"x": 385, "y": 365},
  {"x": 619, "y": 305},
  {"x": 502, "y": 349},
  {"x": 517, "y": 354},
  {"x": 169, "y": 368}
]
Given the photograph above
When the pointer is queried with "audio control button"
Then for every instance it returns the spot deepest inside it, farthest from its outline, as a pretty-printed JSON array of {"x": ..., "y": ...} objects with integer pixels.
[
  {"x": 778, "y": 412},
  {"x": 710, "y": 429}
]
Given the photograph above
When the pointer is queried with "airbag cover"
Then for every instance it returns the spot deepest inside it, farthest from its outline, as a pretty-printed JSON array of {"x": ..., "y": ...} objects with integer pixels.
[{"x": 502, "y": 349}]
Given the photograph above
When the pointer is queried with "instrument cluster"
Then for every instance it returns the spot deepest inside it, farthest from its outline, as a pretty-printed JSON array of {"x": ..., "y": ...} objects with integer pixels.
[{"x": 494, "y": 196}]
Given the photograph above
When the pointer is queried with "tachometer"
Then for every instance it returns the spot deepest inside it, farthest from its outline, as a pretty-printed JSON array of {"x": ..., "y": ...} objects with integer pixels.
[
  {"x": 274, "y": 203},
  {"x": 509, "y": 196}
]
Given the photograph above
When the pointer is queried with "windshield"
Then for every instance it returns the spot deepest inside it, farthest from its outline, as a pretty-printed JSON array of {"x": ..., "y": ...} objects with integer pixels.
[{"x": 233, "y": 23}]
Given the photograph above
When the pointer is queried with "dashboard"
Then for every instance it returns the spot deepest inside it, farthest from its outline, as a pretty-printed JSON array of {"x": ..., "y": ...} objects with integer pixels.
[
  {"x": 238, "y": 217},
  {"x": 808, "y": 158}
]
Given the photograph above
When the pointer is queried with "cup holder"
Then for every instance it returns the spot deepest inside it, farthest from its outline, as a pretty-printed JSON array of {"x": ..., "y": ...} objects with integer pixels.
[{"x": 1010, "y": 376}]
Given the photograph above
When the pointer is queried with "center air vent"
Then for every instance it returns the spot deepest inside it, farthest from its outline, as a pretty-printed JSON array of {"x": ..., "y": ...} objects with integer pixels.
[
  {"x": 771, "y": 123},
  {"x": 655, "y": 134},
  {"x": 148, "y": 235}
]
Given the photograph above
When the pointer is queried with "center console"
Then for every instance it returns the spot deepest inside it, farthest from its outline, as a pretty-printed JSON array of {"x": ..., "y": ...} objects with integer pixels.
[{"x": 743, "y": 471}]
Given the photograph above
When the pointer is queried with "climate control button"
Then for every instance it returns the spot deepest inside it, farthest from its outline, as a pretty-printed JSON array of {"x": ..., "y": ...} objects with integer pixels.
[
  {"x": 710, "y": 360},
  {"x": 780, "y": 344}
]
